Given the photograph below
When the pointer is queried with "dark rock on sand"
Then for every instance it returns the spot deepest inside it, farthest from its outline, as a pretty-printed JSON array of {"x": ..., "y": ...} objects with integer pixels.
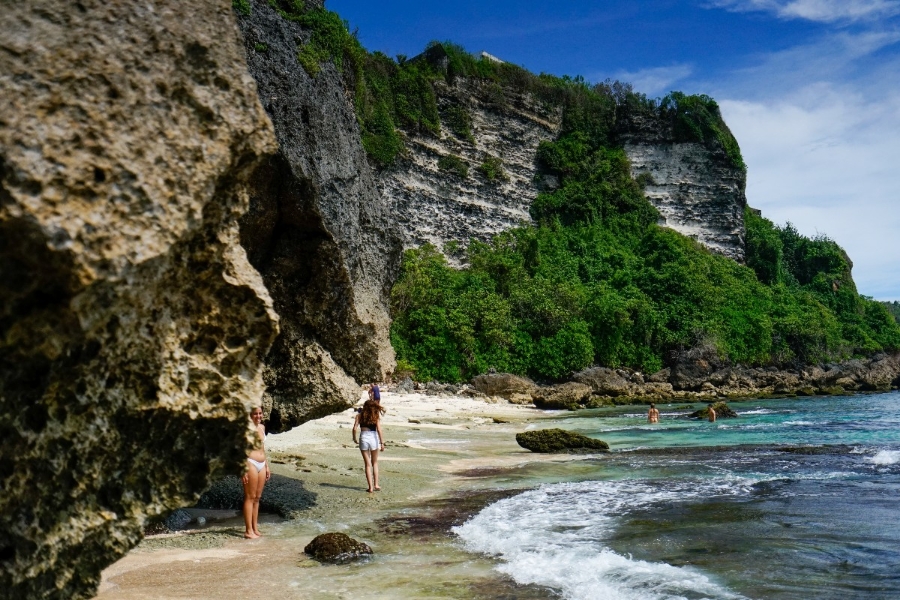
[
  {"x": 336, "y": 548},
  {"x": 178, "y": 520},
  {"x": 723, "y": 411},
  {"x": 283, "y": 496},
  {"x": 406, "y": 386},
  {"x": 559, "y": 440}
]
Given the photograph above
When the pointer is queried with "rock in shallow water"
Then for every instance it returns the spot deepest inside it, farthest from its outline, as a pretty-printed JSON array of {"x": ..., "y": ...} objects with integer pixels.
[
  {"x": 723, "y": 411},
  {"x": 336, "y": 548},
  {"x": 559, "y": 440}
]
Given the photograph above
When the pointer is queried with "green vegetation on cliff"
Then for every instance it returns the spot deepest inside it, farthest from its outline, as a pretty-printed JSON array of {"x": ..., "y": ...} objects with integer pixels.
[
  {"x": 597, "y": 281},
  {"x": 893, "y": 308}
]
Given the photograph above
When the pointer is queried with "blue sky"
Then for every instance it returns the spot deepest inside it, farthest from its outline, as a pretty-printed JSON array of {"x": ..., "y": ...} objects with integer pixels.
[{"x": 810, "y": 88}]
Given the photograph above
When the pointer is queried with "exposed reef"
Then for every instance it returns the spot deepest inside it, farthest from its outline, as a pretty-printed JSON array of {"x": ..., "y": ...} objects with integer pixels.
[
  {"x": 559, "y": 441},
  {"x": 700, "y": 378},
  {"x": 132, "y": 326},
  {"x": 318, "y": 231}
]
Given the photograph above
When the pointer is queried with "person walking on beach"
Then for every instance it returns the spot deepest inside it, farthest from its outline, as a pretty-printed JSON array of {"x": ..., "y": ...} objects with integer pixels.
[
  {"x": 255, "y": 476},
  {"x": 371, "y": 440},
  {"x": 712, "y": 414},
  {"x": 375, "y": 392},
  {"x": 653, "y": 414}
]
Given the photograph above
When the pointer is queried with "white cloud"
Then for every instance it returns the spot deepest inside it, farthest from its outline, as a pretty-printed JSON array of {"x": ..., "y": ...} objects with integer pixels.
[
  {"x": 825, "y": 158},
  {"x": 834, "y": 57},
  {"x": 824, "y": 11},
  {"x": 819, "y": 128},
  {"x": 656, "y": 81}
]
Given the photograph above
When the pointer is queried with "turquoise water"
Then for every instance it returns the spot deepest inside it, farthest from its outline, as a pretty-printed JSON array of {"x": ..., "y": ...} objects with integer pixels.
[{"x": 793, "y": 499}]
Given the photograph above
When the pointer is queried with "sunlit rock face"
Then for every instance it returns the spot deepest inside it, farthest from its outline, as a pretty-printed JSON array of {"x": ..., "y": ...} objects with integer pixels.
[
  {"x": 319, "y": 232},
  {"x": 695, "y": 188},
  {"x": 132, "y": 326},
  {"x": 435, "y": 206}
]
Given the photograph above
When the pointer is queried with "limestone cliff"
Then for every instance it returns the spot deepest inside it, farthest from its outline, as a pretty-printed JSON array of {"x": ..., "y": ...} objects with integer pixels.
[
  {"x": 132, "y": 326},
  {"x": 435, "y": 206},
  {"x": 696, "y": 189},
  {"x": 319, "y": 232}
]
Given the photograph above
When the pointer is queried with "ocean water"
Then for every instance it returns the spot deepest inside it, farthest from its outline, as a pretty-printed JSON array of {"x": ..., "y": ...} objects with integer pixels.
[{"x": 796, "y": 498}]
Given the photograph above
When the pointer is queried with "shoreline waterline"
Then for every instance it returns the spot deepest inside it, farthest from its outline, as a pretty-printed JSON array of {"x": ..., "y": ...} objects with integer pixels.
[{"x": 451, "y": 461}]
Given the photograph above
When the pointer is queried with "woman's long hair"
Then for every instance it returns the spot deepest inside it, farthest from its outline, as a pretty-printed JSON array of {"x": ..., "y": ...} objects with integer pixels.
[{"x": 371, "y": 412}]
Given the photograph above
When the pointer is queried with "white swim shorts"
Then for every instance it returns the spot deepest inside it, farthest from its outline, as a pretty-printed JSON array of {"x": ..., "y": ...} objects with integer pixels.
[{"x": 368, "y": 440}]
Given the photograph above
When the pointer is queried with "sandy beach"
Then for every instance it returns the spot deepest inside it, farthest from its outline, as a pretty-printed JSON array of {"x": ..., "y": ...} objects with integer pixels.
[{"x": 445, "y": 458}]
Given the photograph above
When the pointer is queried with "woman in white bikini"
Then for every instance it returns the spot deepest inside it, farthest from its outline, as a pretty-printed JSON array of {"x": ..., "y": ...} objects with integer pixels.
[
  {"x": 371, "y": 440},
  {"x": 255, "y": 477}
]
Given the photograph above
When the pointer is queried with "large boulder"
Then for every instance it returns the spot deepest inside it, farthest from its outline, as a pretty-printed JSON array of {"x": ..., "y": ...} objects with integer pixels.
[
  {"x": 565, "y": 395},
  {"x": 504, "y": 385},
  {"x": 132, "y": 326},
  {"x": 723, "y": 411},
  {"x": 604, "y": 381},
  {"x": 694, "y": 366},
  {"x": 318, "y": 231},
  {"x": 336, "y": 548},
  {"x": 881, "y": 373},
  {"x": 559, "y": 441}
]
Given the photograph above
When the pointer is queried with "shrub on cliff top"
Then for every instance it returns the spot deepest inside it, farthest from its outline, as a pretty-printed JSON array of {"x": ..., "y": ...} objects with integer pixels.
[{"x": 698, "y": 119}]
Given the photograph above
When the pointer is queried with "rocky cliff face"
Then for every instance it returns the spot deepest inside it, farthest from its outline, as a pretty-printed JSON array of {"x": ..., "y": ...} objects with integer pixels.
[
  {"x": 319, "y": 232},
  {"x": 697, "y": 191},
  {"x": 434, "y": 205},
  {"x": 132, "y": 326}
]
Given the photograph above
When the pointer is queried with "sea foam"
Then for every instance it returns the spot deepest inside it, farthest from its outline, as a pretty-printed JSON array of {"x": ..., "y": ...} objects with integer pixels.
[
  {"x": 554, "y": 536},
  {"x": 885, "y": 457}
]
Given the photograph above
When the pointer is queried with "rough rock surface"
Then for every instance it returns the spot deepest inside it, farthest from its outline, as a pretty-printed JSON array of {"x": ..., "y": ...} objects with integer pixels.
[
  {"x": 318, "y": 231},
  {"x": 566, "y": 395},
  {"x": 697, "y": 190},
  {"x": 336, "y": 548},
  {"x": 504, "y": 385},
  {"x": 559, "y": 440},
  {"x": 132, "y": 327},
  {"x": 434, "y": 206},
  {"x": 699, "y": 376},
  {"x": 604, "y": 381},
  {"x": 723, "y": 411}
]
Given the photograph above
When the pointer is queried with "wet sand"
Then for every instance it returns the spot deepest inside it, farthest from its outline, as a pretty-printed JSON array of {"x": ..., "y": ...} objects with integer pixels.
[{"x": 446, "y": 457}]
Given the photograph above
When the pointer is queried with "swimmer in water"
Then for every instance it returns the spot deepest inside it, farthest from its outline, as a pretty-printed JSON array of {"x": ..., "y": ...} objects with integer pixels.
[{"x": 653, "y": 414}]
